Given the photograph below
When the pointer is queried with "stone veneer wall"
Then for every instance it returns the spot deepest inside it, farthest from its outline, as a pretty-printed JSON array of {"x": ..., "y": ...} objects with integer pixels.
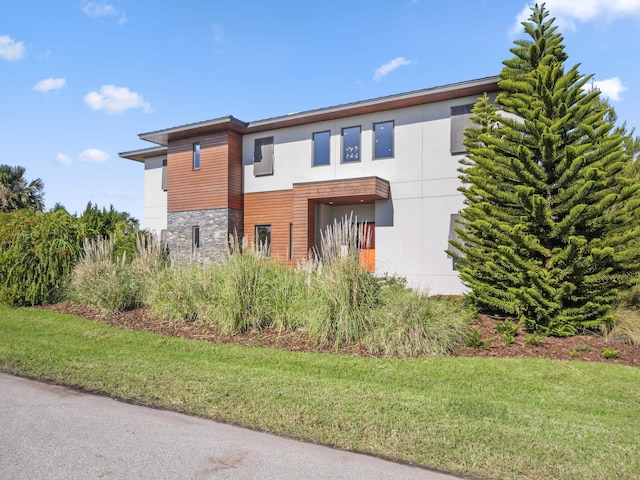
[{"x": 215, "y": 227}]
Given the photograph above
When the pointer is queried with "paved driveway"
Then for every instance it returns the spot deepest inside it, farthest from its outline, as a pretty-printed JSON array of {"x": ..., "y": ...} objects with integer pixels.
[{"x": 51, "y": 432}]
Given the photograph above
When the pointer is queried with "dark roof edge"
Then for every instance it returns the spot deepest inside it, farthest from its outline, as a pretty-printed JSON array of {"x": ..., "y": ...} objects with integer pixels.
[{"x": 142, "y": 154}]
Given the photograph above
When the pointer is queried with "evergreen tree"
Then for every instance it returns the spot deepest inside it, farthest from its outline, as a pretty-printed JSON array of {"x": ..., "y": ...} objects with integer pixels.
[{"x": 549, "y": 228}]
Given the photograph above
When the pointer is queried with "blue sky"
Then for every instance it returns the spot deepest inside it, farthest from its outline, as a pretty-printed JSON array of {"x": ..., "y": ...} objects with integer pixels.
[{"x": 79, "y": 80}]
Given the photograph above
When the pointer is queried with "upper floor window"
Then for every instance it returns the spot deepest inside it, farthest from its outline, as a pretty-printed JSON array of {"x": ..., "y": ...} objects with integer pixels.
[
  {"x": 383, "y": 140},
  {"x": 263, "y": 156},
  {"x": 460, "y": 120},
  {"x": 196, "y": 156},
  {"x": 351, "y": 144},
  {"x": 164, "y": 175},
  {"x": 321, "y": 148}
]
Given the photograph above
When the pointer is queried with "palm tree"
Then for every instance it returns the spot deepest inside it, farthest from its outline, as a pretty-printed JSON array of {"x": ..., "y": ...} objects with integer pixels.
[{"x": 16, "y": 193}]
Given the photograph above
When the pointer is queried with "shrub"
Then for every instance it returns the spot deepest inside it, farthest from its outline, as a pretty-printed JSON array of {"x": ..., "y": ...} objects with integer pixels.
[
  {"x": 37, "y": 254},
  {"x": 507, "y": 331},
  {"x": 411, "y": 324},
  {"x": 610, "y": 353},
  {"x": 534, "y": 339},
  {"x": 286, "y": 296}
]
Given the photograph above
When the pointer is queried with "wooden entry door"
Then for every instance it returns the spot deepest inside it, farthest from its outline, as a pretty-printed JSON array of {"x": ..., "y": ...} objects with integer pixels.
[{"x": 368, "y": 246}]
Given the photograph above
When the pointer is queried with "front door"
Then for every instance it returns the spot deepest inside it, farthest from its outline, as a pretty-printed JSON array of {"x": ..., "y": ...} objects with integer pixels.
[{"x": 368, "y": 246}]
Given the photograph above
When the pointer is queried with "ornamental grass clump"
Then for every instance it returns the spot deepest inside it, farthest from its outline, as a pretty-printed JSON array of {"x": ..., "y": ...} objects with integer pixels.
[
  {"x": 344, "y": 294},
  {"x": 100, "y": 280},
  {"x": 411, "y": 324}
]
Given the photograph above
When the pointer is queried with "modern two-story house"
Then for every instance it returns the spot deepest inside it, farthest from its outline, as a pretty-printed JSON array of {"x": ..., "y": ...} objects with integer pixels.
[{"x": 391, "y": 162}]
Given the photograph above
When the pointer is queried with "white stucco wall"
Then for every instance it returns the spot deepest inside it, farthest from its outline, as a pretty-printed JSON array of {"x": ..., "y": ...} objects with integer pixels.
[
  {"x": 155, "y": 199},
  {"x": 412, "y": 229}
]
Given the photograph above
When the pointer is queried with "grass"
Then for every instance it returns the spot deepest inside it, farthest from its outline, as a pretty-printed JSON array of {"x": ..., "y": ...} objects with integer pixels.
[{"x": 490, "y": 418}]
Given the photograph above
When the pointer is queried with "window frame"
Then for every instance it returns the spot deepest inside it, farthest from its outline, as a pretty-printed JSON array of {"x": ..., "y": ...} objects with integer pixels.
[
  {"x": 269, "y": 235},
  {"x": 375, "y": 139},
  {"x": 313, "y": 148},
  {"x": 196, "y": 240},
  {"x": 358, "y": 146},
  {"x": 195, "y": 149},
  {"x": 460, "y": 120},
  {"x": 263, "y": 166}
]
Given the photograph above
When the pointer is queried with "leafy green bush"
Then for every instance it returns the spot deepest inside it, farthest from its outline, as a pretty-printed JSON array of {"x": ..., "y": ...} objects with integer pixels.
[
  {"x": 507, "y": 330},
  {"x": 37, "y": 253},
  {"x": 610, "y": 353},
  {"x": 534, "y": 339}
]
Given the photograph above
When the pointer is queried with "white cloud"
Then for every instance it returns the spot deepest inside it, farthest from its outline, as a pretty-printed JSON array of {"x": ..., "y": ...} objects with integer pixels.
[
  {"x": 567, "y": 12},
  {"x": 93, "y": 155},
  {"x": 62, "y": 159},
  {"x": 102, "y": 9},
  {"x": 11, "y": 50},
  {"x": 389, "y": 67},
  {"x": 611, "y": 87},
  {"x": 114, "y": 99},
  {"x": 49, "y": 84}
]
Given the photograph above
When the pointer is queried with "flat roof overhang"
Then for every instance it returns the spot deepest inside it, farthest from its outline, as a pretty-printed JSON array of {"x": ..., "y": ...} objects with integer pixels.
[
  {"x": 144, "y": 153},
  {"x": 417, "y": 97},
  {"x": 350, "y": 191}
]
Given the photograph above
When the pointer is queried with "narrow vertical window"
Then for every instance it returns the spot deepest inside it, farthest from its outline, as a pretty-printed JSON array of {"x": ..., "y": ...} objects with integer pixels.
[
  {"x": 196, "y": 156},
  {"x": 263, "y": 156},
  {"x": 460, "y": 120},
  {"x": 290, "y": 241},
  {"x": 195, "y": 238},
  {"x": 164, "y": 175},
  {"x": 321, "y": 148},
  {"x": 383, "y": 140},
  {"x": 351, "y": 144},
  {"x": 263, "y": 238}
]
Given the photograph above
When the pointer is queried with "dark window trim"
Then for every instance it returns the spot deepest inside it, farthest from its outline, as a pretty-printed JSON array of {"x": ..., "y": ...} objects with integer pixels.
[
  {"x": 269, "y": 241},
  {"x": 393, "y": 139},
  {"x": 196, "y": 241},
  {"x": 342, "y": 159},
  {"x": 196, "y": 155},
  {"x": 313, "y": 149},
  {"x": 263, "y": 165}
]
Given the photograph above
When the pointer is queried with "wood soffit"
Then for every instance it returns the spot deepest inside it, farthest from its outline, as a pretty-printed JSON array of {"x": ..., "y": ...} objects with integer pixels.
[{"x": 230, "y": 123}]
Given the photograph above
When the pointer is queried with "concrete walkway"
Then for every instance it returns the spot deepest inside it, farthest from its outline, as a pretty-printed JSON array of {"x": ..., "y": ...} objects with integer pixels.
[{"x": 51, "y": 432}]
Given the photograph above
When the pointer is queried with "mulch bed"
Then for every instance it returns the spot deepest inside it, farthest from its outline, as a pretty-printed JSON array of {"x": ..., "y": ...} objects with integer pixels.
[{"x": 577, "y": 348}]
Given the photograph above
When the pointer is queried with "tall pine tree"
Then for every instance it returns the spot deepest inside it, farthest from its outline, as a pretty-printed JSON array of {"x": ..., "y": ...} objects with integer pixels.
[{"x": 550, "y": 224}]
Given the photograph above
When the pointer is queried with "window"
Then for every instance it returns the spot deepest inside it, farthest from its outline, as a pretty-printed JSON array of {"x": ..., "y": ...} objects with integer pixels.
[
  {"x": 263, "y": 156},
  {"x": 263, "y": 237},
  {"x": 460, "y": 120},
  {"x": 383, "y": 140},
  {"x": 164, "y": 175},
  {"x": 351, "y": 144},
  {"x": 195, "y": 238},
  {"x": 321, "y": 148},
  {"x": 290, "y": 241},
  {"x": 196, "y": 156}
]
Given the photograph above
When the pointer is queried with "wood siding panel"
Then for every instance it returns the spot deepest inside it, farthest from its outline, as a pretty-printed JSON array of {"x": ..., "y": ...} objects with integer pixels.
[
  {"x": 270, "y": 208},
  {"x": 202, "y": 189},
  {"x": 235, "y": 171}
]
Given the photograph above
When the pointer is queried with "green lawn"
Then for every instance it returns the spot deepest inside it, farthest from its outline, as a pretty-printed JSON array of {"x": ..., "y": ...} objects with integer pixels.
[{"x": 490, "y": 418}]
